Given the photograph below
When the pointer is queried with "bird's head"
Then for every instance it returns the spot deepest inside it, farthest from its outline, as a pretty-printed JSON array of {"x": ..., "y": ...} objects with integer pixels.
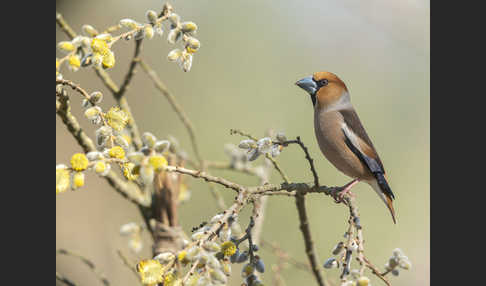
[{"x": 325, "y": 88}]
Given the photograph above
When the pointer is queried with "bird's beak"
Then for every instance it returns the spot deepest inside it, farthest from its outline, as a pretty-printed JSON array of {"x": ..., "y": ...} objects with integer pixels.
[{"x": 307, "y": 84}]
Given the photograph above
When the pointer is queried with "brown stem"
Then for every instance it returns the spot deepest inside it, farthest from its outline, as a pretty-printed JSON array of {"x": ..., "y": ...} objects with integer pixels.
[
  {"x": 309, "y": 244},
  {"x": 131, "y": 70},
  {"x": 109, "y": 83},
  {"x": 165, "y": 211},
  {"x": 176, "y": 106},
  {"x": 64, "y": 279},
  {"x": 128, "y": 190},
  {"x": 64, "y": 26},
  {"x": 86, "y": 261}
]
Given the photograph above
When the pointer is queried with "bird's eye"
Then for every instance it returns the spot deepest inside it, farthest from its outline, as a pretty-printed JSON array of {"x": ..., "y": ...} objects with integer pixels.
[{"x": 322, "y": 82}]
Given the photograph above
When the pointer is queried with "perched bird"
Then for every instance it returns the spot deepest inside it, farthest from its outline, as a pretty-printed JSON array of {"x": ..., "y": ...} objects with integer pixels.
[{"x": 341, "y": 136}]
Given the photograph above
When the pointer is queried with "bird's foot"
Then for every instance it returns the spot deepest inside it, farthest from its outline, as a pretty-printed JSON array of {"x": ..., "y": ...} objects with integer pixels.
[{"x": 346, "y": 190}]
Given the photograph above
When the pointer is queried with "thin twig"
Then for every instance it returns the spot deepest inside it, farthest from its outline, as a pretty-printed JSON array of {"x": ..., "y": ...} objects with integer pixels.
[
  {"x": 119, "y": 96},
  {"x": 176, "y": 106},
  {"x": 206, "y": 177},
  {"x": 279, "y": 252},
  {"x": 375, "y": 271},
  {"x": 127, "y": 189},
  {"x": 244, "y": 134},
  {"x": 86, "y": 261},
  {"x": 245, "y": 169},
  {"x": 354, "y": 222},
  {"x": 109, "y": 83},
  {"x": 125, "y": 261},
  {"x": 131, "y": 70},
  {"x": 75, "y": 87},
  {"x": 348, "y": 250},
  {"x": 277, "y": 167},
  {"x": 64, "y": 26},
  {"x": 275, "y": 164},
  {"x": 217, "y": 196},
  {"x": 260, "y": 203},
  {"x": 309, "y": 244},
  {"x": 267, "y": 189},
  {"x": 64, "y": 279},
  {"x": 307, "y": 156}
]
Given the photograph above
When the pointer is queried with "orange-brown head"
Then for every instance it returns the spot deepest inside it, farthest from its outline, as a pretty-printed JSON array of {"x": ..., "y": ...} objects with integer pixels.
[{"x": 325, "y": 88}]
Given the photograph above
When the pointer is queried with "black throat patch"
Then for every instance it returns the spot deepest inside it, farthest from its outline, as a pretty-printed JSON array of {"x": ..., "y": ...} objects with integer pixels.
[{"x": 313, "y": 98}]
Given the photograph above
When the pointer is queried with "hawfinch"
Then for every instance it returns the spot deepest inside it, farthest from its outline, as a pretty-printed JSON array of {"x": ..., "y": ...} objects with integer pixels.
[{"x": 341, "y": 136}]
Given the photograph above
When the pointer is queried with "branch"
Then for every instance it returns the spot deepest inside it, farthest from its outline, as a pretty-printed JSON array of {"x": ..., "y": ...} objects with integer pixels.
[
  {"x": 86, "y": 261},
  {"x": 125, "y": 261},
  {"x": 109, "y": 83},
  {"x": 131, "y": 70},
  {"x": 307, "y": 156},
  {"x": 275, "y": 164},
  {"x": 175, "y": 105},
  {"x": 279, "y": 252},
  {"x": 309, "y": 244},
  {"x": 124, "y": 188},
  {"x": 75, "y": 87},
  {"x": 260, "y": 203},
  {"x": 217, "y": 196},
  {"x": 245, "y": 169},
  {"x": 206, "y": 177},
  {"x": 64, "y": 279},
  {"x": 375, "y": 271},
  {"x": 364, "y": 262},
  {"x": 64, "y": 26},
  {"x": 304, "y": 223}
]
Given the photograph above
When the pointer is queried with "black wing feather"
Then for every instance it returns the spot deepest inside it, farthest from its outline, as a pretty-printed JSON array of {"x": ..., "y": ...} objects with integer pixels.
[{"x": 373, "y": 165}]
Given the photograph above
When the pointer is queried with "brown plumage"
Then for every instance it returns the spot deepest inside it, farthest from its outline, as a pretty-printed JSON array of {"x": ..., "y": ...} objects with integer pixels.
[{"x": 341, "y": 136}]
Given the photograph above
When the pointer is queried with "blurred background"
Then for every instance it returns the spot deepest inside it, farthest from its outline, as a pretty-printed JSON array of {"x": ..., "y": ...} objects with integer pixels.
[{"x": 252, "y": 52}]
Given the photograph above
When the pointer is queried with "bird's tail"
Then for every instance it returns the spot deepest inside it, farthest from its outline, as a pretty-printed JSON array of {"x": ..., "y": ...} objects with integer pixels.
[{"x": 381, "y": 187}]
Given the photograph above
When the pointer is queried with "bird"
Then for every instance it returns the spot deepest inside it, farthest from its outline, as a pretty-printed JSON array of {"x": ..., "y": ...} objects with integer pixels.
[{"x": 342, "y": 138}]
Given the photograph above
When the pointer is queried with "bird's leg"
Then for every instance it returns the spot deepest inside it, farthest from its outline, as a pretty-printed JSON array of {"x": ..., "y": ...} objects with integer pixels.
[{"x": 345, "y": 190}]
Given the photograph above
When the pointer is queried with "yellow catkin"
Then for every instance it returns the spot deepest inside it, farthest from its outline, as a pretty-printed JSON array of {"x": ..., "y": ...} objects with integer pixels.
[{"x": 79, "y": 162}]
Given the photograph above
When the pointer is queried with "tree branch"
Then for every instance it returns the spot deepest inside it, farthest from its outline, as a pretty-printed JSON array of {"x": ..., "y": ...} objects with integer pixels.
[
  {"x": 131, "y": 70},
  {"x": 307, "y": 156},
  {"x": 126, "y": 189},
  {"x": 206, "y": 177},
  {"x": 110, "y": 84},
  {"x": 128, "y": 264},
  {"x": 364, "y": 262},
  {"x": 86, "y": 261},
  {"x": 309, "y": 244},
  {"x": 64, "y": 279},
  {"x": 177, "y": 108}
]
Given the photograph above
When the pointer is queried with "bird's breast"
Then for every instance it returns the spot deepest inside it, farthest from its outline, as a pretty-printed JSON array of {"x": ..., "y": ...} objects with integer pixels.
[{"x": 330, "y": 137}]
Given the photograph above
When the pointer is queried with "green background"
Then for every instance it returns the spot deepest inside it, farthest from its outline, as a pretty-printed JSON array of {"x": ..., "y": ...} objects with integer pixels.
[{"x": 252, "y": 52}]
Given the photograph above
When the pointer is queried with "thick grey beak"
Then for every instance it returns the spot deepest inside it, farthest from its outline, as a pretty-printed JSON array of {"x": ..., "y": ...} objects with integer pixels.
[{"x": 307, "y": 84}]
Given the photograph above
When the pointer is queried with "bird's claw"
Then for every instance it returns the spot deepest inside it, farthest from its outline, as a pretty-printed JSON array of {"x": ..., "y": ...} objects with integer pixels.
[{"x": 339, "y": 196}]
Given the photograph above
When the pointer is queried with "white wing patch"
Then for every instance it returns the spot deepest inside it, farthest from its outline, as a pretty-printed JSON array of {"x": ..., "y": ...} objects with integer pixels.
[{"x": 352, "y": 137}]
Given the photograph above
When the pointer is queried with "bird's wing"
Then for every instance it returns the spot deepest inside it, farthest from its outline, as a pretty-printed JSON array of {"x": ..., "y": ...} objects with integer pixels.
[
  {"x": 356, "y": 134},
  {"x": 360, "y": 144}
]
